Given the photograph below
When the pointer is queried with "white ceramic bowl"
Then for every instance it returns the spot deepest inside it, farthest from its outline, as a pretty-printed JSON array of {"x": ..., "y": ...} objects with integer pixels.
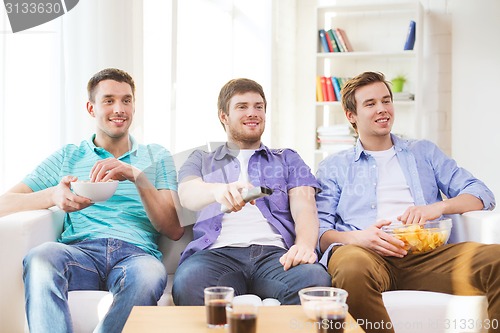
[
  {"x": 421, "y": 238},
  {"x": 247, "y": 299},
  {"x": 100, "y": 191},
  {"x": 311, "y": 297}
]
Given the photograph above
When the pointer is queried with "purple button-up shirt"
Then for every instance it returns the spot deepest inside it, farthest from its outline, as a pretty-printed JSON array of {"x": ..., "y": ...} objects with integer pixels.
[{"x": 278, "y": 169}]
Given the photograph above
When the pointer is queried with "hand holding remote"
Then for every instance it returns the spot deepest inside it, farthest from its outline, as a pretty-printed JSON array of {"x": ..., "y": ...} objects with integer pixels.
[{"x": 250, "y": 194}]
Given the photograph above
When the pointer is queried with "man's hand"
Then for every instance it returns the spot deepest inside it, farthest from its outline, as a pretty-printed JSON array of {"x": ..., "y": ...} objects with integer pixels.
[
  {"x": 377, "y": 240},
  {"x": 229, "y": 195},
  {"x": 67, "y": 200},
  {"x": 297, "y": 255},
  {"x": 421, "y": 214},
  {"x": 111, "y": 168}
]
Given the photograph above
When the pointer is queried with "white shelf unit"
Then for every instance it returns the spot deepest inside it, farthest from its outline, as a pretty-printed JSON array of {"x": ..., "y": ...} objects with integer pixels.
[{"x": 377, "y": 34}]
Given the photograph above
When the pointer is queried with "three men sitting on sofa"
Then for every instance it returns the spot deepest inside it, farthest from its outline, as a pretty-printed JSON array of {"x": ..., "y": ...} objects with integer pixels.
[{"x": 266, "y": 247}]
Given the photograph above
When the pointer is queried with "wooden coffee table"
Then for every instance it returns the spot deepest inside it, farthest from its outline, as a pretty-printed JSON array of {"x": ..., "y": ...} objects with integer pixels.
[{"x": 191, "y": 319}]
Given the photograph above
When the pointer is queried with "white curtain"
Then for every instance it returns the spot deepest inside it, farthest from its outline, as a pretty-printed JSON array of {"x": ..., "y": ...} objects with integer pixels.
[
  {"x": 45, "y": 71},
  {"x": 30, "y": 98}
]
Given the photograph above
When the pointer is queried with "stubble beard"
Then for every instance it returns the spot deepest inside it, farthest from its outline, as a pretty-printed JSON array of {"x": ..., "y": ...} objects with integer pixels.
[{"x": 246, "y": 139}]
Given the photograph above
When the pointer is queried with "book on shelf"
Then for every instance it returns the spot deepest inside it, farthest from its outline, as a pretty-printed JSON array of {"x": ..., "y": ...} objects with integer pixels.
[
  {"x": 330, "y": 42},
  {"x": 336, "y": 87},
  {"x": 335, "y": 138},
  {"x": 324, "y": 88},
  {"x": 328, "y": 88},
  {"x": 319, "y": 90},
  {"x": 344, "y": 40},
  {"x": 410, "y": 37},
  {"x": 335, "y": 130},
  {"x": 337, "y": 40},
  {"x": 403, "y": 96},
  {"x": 323, "y": 40},
  {"x": 344, "y": 80},
  {"x": 331, "y": 97},
  {"x": 334, "y": 40},
  {"x": 330, "y": 35}
]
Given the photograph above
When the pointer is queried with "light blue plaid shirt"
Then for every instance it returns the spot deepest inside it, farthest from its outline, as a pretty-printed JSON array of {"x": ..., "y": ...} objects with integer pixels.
[
  {"x": 122, "y": 216},
  {"x": 348, "y": 200}
]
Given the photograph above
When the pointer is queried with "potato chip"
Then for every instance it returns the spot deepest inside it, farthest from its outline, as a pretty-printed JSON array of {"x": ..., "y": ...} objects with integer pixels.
[{"x": 418, "y": 239}]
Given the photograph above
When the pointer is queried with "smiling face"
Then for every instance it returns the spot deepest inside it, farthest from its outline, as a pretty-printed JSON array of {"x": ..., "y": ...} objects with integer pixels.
[
  {"x": 246, "y": 120},
  {"x": 374, "y": 116},
  {"x": 113, "y": 109}
]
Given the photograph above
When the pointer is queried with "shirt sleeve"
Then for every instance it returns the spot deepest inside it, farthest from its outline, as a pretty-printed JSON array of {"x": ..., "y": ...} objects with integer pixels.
[
  {"x": 299, "y": 173},
  {"x": 453, "y": 180},
  {"x": 46, "y": 174},
  {"x": 192, "y": 166},
  {"x": 166, "y": 174},
  {"x": 328, "y": 199}
]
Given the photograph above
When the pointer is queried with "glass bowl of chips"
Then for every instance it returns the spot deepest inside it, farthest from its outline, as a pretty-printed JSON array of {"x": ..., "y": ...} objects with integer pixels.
[{"x": 420, "y": 238}]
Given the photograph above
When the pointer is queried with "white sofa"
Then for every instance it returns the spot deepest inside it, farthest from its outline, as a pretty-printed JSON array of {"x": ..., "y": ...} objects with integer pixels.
[
  {"x": 410, "y": 311},
  {"x": 20, "y": 232}
]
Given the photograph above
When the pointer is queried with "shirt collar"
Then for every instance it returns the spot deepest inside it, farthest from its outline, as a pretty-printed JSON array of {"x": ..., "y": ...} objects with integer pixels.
[
  {"x": 224, "y": 150},
  {"x": 399, "y": 145},
  {"x": 133, "y": 150}
]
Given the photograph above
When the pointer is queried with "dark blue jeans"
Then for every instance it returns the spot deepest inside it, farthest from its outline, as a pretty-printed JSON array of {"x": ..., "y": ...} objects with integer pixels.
[
  {"x": 52, "y": 269},
  {"x": 249, "y": 270}
]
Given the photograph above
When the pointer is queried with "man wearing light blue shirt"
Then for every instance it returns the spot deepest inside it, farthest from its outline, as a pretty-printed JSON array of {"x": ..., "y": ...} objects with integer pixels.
[
  {"x": 384, "y": 179},
  {"x": 110, "y": 245}
]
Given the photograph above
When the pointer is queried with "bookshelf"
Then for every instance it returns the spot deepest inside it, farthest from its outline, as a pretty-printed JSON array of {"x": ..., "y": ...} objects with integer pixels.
[{"x": 377, "y": 34}]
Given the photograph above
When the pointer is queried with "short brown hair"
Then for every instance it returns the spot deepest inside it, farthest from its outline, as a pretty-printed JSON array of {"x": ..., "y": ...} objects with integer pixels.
[
  {"x": 237, "y": 87},
  {"x": 109, "y": 74},
  {"x": 349, "y": 89}
]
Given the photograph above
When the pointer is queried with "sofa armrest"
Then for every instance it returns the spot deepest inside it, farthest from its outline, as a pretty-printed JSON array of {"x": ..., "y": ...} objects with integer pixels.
[
  {"x": 33, "y": 227},
  {"x": 481, "y": 226},
  {"x": 19, "y": 232}
]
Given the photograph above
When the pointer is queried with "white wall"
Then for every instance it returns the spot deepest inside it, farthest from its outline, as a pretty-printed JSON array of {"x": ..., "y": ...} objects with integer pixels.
[
  {"x": 436, "y": 78},
  {"x": 475, "y": 87},
  {"x": 293, "y": 65}
]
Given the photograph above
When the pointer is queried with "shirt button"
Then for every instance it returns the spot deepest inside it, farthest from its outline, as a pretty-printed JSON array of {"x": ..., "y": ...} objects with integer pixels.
[
  {"x": 374, "y": 184},
  {"x": 373, "y": 206},
  {"x": 374, "y": 166}
]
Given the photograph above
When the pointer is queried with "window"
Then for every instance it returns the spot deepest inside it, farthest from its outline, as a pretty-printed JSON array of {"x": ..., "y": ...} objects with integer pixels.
[
  {"x": 30, "y": 100},
  {"x": 214, "y": 41},
  {"x": 179, "y": 52}
]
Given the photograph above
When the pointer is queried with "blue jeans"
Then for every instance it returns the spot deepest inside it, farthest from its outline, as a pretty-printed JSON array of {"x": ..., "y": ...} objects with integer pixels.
[
  {"x": 133, "y": 276},
  {"x": 249, "y": 270}
]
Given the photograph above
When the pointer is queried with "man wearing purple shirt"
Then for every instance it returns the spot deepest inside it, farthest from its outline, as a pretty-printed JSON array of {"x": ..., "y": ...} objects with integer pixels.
[{"x": 266, "y": 247}]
